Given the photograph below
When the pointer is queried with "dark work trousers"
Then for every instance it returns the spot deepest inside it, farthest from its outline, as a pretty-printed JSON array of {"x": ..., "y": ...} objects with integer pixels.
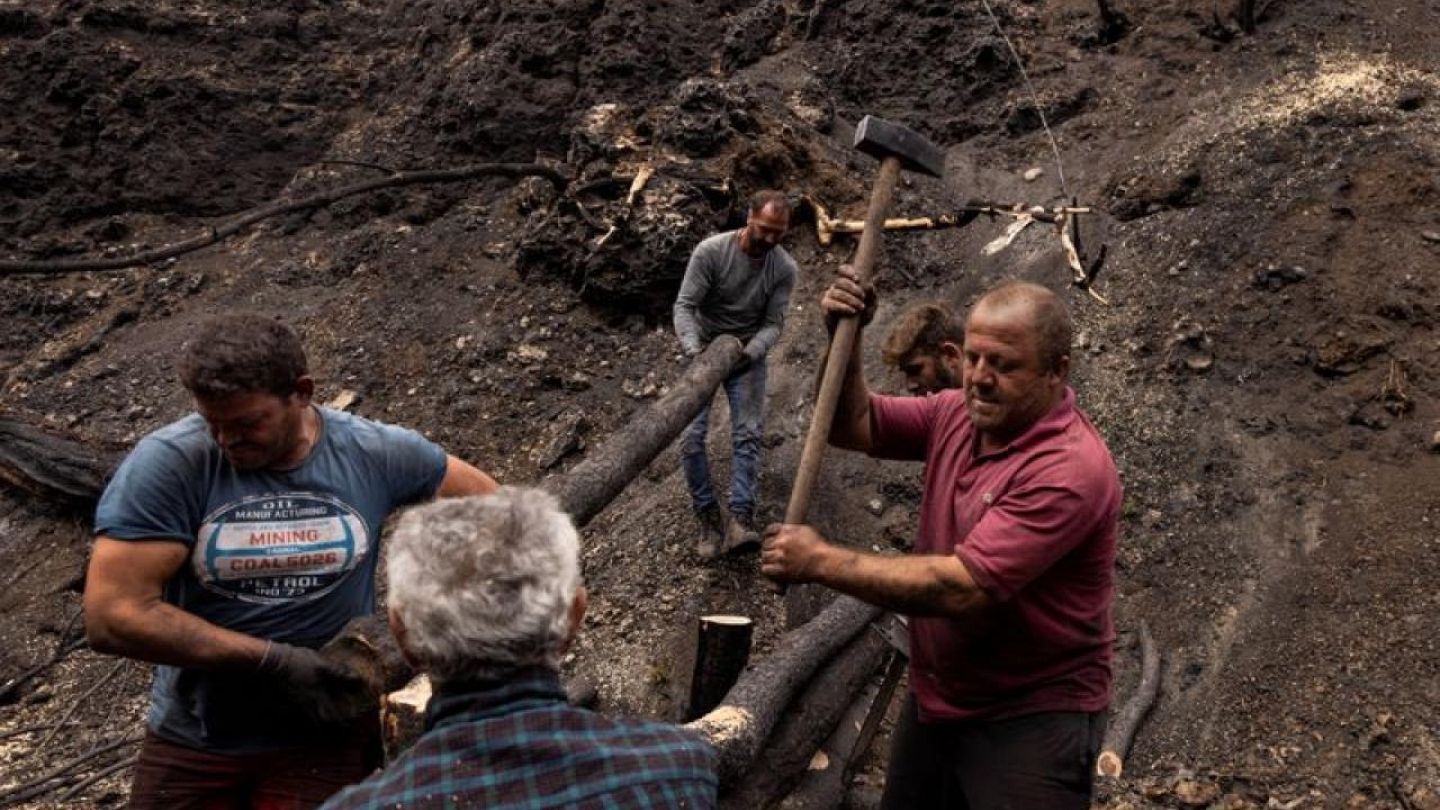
[
  {"x": 1036, "y": 762},
  {"x": 169, "y": 776}
]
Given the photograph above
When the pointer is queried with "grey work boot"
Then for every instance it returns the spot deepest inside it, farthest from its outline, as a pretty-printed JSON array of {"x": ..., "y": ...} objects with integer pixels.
[
  {"x": 711, "y": 532},
  {"x": 741, "y": 536}
]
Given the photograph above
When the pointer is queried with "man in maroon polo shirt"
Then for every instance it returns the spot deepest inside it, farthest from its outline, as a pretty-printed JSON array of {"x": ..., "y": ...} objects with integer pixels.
[{"x": 1010, "y": 587}]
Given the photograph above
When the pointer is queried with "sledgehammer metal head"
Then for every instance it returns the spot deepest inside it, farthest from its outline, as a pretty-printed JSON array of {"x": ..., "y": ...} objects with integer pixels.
[{"x": 881, "y": 139}]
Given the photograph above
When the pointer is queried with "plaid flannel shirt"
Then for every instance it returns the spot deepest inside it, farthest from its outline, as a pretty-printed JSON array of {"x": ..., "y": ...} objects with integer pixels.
[{"x": 518, "y": 744}]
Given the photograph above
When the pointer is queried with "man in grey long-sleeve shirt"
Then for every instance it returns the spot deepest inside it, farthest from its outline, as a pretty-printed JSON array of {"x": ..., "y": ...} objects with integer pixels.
[{"x": 737, "y": 283}]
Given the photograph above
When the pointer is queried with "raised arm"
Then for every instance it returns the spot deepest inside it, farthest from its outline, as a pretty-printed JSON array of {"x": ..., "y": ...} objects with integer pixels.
[{"x": 845, "y": 298}]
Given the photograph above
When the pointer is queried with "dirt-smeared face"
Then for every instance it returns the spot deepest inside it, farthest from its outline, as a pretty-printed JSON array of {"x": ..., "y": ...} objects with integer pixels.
[
  {"x": 764, "y": 230},
  {"x": 1007, "y": 386},
  {"x": 257, "y": 430},
  {"x": 929, "y": 372}
]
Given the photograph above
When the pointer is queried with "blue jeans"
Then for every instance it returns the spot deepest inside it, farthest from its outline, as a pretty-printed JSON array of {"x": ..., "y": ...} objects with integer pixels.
[{"x": 746, "y": 392}]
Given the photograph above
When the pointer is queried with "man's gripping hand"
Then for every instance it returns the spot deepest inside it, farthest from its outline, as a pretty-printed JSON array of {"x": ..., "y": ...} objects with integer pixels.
[
  {"x": 793, "y": 553},
  {"x": 329, "y": 691},
  {"x": 846, "y": 297}
]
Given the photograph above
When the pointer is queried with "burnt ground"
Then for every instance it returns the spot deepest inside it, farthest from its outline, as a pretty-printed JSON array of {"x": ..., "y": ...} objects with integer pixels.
[{"x": 1265, "y": 371}]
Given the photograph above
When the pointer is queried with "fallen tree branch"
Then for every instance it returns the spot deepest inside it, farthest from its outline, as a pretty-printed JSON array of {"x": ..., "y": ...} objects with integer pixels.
[
  {"x": 1125, "y": 723},
  {"x": 40, "y": 784},
  {"x": 17, "y": 732},
  {"x": 593, "y": 483},
  {"x": 80, "y": 786},
  {"x": 254, "y": 215},
  {"x": 80, "y": 701},
  {"x": 62, "y": 648}
]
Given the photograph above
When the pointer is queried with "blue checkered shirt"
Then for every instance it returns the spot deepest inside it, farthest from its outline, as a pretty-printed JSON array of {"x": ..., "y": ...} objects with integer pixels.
[{"x": 518, "y": 744}]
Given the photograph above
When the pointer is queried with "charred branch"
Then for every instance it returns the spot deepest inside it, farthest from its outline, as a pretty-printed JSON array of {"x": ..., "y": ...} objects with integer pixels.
[
  {"x": 217, "y": 233},
  {"x": 60, "y": 775},
  {"x": 63, "y": 646},
  {"x": 1125, "y": 723},
  {"x": 55, "y": 469}
]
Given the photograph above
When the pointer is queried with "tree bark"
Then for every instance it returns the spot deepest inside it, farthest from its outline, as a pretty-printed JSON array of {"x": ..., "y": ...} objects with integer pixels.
[
  {"x": 822, "y": 787},
  {"x": 593, "y": 483},
  {"x": 722, "y": 650},
  {"x": 809, "y": 720},
  {"x": 1125, "y": 723},
  {"x": 58, "y": 470},
  {"x": 739, "y": 726}
]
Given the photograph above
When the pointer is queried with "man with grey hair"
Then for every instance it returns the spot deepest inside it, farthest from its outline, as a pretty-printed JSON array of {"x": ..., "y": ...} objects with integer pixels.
[
  {"x": 737, "y": 283},
  {"x": 485, "y": 597},
  {"x": 1012, "y": 581}
]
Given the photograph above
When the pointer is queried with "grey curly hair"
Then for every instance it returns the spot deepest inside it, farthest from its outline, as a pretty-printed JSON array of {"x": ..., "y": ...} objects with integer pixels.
[{"x": 483, "y": 585}]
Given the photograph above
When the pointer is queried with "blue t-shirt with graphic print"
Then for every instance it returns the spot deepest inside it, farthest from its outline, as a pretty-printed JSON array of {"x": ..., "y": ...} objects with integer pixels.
[{"x": 287, "y": 555}]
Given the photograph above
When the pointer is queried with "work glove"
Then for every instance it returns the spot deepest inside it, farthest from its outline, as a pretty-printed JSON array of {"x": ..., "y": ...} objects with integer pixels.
[{"x": 328, "y": 691}]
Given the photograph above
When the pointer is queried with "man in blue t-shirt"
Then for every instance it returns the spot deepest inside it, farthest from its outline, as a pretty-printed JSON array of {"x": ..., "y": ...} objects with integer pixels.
[{"x": 233, "y": 543}]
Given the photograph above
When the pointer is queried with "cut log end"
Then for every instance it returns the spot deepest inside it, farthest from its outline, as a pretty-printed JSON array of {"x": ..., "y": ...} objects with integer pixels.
[
  {"x": 1109, "y": 764},
  {"x": 722, "y": 649}
]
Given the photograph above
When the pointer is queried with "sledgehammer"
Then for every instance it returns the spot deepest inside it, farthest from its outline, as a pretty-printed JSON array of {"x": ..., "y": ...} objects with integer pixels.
[{"x": 897, "y": 147}]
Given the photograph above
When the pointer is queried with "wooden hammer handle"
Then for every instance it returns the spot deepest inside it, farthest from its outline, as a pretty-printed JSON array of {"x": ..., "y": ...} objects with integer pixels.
[{"x": 841, "y": 344}]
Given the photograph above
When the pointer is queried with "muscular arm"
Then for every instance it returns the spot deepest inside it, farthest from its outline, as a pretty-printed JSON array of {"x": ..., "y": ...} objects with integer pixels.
[
  {"x": 461, "y": 478},
  {"x": 915, "y": 585},
  {"x": 126, "y": 615}
]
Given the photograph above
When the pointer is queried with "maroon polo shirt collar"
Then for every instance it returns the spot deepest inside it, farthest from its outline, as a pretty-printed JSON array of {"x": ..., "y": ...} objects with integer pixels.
[{"x": 1053, "y": 422}]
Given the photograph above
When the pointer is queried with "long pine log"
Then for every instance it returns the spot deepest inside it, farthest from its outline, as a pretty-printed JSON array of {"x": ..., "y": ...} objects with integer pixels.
[
  {"x": 808, "y": 722},
  {"x": 739, "y": 726},
  {"x": 593, "y": 483}
]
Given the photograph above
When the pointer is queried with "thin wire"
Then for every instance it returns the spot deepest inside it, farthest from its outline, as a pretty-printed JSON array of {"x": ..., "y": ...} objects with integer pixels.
[{"x": 1054, "y": 147}]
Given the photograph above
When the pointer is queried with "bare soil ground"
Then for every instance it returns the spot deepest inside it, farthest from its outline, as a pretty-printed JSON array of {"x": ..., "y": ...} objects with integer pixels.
[{"x": 1265, "y": 370}]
